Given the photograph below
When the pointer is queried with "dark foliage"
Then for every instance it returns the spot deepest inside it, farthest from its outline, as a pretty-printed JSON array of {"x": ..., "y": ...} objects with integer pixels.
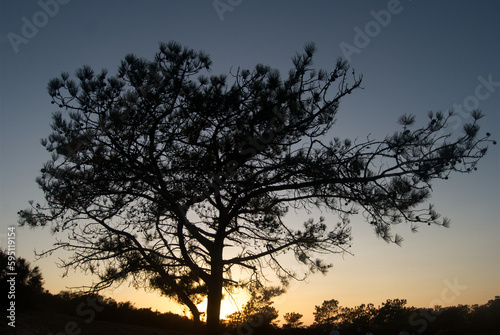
[
  {"x": 393, "y": 316},
  {"x": 77, "y": 304},
  {"x": 28, "y": 281},
  {"x": 292, "y": 320}
]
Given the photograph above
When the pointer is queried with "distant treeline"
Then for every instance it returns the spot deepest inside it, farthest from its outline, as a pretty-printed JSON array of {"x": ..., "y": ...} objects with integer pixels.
[
  {"x": 394, "y": 317},
  {"x": 259, "y": 316},
  {"x": 390, "y": 318}
]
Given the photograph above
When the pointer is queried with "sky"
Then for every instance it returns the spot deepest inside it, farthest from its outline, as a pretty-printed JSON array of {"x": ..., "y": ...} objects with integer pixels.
[{"x": 415, "y": 56}]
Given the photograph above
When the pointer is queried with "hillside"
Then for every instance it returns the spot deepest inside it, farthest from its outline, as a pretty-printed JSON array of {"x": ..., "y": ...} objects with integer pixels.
[{"x": 51, "y": 323}]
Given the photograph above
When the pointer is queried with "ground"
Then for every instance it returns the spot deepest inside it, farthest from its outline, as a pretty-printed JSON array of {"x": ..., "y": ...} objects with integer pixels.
[{"x": 50, "y": 323}]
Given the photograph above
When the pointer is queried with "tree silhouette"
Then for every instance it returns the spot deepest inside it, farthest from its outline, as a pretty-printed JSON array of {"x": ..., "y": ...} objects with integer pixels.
[
  {"x": 28, "y": 280},
  {"x": 360, "y": 316},
  {"x": 158, "y": 171},
  {"x": 393, "y": 315},
  {"x": 292, "y": 320},
  {"x": 327, "y": 314},
  {"x": 486, "y": 317}
]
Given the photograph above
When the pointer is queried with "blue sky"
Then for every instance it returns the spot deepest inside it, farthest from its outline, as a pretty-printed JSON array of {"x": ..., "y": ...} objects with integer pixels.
[{"x": 418, "y": 56}]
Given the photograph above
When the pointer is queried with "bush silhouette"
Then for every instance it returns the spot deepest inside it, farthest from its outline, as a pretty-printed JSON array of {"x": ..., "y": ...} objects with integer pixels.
[{"x": 28, "y": 281}]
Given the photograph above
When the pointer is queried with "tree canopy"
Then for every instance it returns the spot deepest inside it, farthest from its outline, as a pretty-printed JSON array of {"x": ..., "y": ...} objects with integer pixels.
[
  {"x": 292, "y": 320},
  {"x": 173, "y": 177},
  {"x": 327, "y": 313}
]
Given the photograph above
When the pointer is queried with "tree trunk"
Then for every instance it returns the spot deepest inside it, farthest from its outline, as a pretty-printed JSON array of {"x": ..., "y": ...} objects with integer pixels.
[
  {"x": 214, "y": 297},
  {"x": 213, "y": 310}
]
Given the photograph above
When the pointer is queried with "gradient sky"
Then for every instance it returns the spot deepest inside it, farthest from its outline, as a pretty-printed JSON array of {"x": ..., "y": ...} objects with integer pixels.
[{"x": 428, "y": 55}]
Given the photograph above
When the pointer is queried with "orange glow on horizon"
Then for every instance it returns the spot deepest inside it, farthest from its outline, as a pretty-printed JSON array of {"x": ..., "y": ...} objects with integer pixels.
[
  {"x": 229, "y": 304},
  {"x": 227, "y": 308}
]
